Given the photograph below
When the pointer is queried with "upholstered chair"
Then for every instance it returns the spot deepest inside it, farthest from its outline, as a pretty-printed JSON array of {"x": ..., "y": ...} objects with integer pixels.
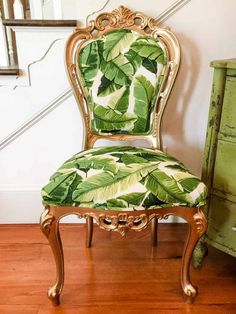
[{"x": 122, "y": 68}]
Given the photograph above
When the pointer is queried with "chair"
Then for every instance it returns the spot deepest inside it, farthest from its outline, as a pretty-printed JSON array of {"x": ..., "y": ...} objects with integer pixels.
[{"x": 122, "y": 68}]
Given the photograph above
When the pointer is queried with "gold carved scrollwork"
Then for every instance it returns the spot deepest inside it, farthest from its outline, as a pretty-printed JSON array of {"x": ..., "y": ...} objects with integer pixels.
[
  {"x": 103, "y": 20},
  {"x": 200, "y": 222},
  {"x": 155, "y": 125},
  {"x": 73, "y": 70},
  {"x": 122, "y": 17},
  {"x": 46, "y": 221},
  {"x": 122, "y": 222},
  {"x": 117, "y": 18},
  {"x": 152, "y": 24},
  {"x": 162, "y": 216}
]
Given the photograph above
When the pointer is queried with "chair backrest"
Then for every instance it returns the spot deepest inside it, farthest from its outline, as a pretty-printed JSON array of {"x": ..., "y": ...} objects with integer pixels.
[{"x": 122, "y": 68}]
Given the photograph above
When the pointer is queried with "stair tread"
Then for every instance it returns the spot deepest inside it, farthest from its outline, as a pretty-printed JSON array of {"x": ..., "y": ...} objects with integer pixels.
[{"x": 9, "y": 70}]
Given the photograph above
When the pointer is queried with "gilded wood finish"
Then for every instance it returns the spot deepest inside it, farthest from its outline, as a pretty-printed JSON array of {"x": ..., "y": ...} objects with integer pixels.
[
  {"x": 219, "y": 169},
  {"x": 121, "y": 222},
  {"x": 111, "y": 220}
]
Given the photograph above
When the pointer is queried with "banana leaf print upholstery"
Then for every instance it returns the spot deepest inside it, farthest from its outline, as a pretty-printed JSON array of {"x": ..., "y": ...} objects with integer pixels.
[
  {"x": 121, "y": 73},
  {"x": 123, "y": 178}
]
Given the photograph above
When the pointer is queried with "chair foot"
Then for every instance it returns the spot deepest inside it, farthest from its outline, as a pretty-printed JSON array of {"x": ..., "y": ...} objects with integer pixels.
[
  {"x": 54, "y": 295},
  {"x": 154, "y": 227},
  {"x": 89, "y": 231},
  {"x": 190, "y": 293}
]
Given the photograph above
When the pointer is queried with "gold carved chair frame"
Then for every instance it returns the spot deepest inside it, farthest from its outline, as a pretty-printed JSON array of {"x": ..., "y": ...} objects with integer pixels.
[{"x": 111, "y": 220}]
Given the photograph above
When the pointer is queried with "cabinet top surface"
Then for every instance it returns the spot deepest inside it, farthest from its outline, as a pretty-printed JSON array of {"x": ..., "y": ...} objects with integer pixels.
[{"x": 225, "y": 63}]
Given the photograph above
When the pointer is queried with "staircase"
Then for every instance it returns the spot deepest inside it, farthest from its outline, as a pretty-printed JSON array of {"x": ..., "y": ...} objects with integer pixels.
[{"x": 40, "y": 123}]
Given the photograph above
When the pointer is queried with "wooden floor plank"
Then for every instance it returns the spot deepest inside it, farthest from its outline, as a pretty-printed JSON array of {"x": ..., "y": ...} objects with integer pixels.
[
  {"x": 117, "y": 275},
  {"x": 19, "y": 309},
  {"x": 149, "y": 309}
]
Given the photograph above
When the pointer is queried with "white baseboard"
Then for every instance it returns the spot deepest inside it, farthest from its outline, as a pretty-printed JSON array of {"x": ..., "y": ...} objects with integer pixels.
[
  {"x": 20, "y": 206},
  {"x": 25, "y": 206}
]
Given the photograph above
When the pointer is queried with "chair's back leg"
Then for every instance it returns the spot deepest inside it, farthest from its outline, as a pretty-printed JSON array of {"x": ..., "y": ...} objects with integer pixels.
[
  {"x": 154, "y": 227},
  {"x": 89, "y": 231}
]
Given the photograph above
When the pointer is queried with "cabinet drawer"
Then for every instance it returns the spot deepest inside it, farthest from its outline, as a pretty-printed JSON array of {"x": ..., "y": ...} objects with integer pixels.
[
  {"x": 221, "y": 231},
  {"x": 228, "y": 118},
  {"x": 224, "y": 178}
]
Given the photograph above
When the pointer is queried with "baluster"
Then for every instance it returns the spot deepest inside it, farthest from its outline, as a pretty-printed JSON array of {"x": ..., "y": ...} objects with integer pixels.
[
  {"x": 18, "y": 9},
  {"x": 57, "y": 9},
  {"x": 4, "y": 59},
  {"x": 36, "y": 9},
  {"x": 9, "y": 34}
]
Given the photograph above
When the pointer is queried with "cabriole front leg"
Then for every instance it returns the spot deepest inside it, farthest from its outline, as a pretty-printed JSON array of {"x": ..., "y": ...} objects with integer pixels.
[
  {"x": 50, "y": 227},
  {"x": 197, "y": 227}
]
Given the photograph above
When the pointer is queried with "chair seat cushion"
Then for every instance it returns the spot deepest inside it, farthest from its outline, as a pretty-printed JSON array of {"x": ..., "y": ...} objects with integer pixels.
[{"x": 123, "y": 178}]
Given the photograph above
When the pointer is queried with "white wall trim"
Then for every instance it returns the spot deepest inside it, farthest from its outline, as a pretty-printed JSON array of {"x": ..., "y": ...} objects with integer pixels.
[
  {"x": 35, "y": 118},
  {"x": 43, "y": 29},
  {"x": 172, "y": 9},
  {"x": 41, "y": 58}
]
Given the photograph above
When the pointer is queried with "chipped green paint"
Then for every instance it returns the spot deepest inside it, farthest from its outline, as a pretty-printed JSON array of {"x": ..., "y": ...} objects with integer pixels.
[
  {"x": 225, "y": 170},
  {"x": 213, "y": 124},
  {"x": 221, "y": 229},
  {"x": 219, "y": 167},
  {"x": 228, "y": 123}
]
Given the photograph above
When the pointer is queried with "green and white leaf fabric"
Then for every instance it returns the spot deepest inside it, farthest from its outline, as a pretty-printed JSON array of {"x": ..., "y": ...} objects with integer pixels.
[
  {"x": 123, "y": 178},
  {"x": 122, "y": 72}
]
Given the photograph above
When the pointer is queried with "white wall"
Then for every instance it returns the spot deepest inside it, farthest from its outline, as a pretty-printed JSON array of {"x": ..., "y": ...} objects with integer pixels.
[{"x": 205, "y": 31}]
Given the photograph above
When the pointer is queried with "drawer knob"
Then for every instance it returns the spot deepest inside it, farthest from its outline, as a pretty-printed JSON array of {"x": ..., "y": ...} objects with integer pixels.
[{"x": 234, "y": 228}]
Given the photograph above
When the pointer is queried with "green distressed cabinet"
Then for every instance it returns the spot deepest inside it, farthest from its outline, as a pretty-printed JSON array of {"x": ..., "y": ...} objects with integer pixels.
[{"x": 219, "y": 165}]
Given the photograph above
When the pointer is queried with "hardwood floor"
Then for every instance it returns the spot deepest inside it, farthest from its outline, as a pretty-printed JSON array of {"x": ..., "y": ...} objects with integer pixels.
[{"x": 117, "y": 275}]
